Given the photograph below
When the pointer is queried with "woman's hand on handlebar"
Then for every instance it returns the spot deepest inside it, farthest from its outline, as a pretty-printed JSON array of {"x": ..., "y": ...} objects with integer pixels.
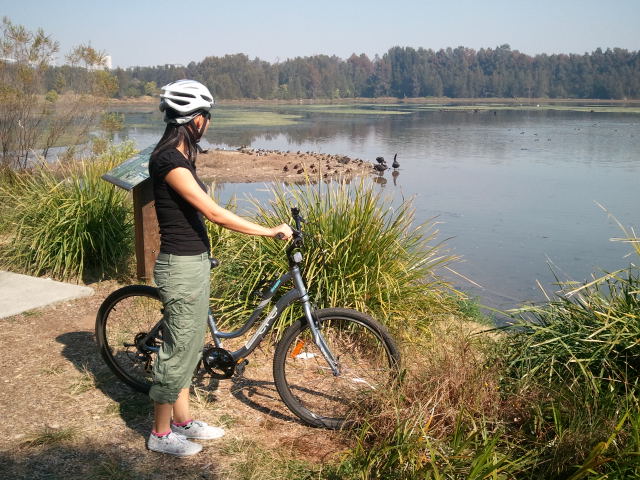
[{"x": 282, "y": 232}]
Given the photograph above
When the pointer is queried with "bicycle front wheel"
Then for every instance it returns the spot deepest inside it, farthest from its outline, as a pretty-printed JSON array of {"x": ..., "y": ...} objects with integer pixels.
[
  {"x": 123, "y": 324},
  {"x": 368, "y": 361}
]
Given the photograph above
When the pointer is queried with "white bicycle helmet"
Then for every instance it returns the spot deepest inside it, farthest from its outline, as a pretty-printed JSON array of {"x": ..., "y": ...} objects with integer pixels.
[{"x": 187, "y": 99}]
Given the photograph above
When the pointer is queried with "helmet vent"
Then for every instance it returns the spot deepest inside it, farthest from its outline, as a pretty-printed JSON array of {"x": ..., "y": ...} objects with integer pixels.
[{"x": 183, "y": 94}]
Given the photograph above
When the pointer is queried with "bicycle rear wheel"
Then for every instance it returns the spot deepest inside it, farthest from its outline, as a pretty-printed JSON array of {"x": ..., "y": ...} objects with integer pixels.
[
  {"x": 367, "y": 357},
  {"x": 123, "y": 322}
]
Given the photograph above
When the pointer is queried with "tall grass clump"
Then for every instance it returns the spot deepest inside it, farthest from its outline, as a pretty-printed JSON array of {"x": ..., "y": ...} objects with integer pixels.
[
  {"x": 66, "y": 221},
  {"x": 573, "y": 371},
  {"x": 479, "y": 405},
  {"x": 588, "y": 338},
  {"x": 359, "y": 252}
]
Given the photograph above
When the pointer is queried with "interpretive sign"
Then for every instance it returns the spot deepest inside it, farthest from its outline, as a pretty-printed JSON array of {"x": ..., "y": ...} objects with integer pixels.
[
  {"x": 131, "y": 172},
  {"x": 133, "y": 175}
]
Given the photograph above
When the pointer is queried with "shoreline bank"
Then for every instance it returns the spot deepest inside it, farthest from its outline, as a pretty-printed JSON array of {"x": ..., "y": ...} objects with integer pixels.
[{"x": 248, "y": 165}]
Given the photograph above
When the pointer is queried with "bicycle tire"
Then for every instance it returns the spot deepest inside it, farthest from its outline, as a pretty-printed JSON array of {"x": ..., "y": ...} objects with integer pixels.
[
  {"x": 368, "y": 359},
  {"x": 127, "y": 313}
]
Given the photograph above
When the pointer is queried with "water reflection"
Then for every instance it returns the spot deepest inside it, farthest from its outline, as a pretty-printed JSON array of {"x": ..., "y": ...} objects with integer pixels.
[{"x": 380, "y": 180}]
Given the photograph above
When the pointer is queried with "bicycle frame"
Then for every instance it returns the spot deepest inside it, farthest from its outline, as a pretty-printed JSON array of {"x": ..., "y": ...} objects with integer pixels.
[{"x": 298, "y": 293}]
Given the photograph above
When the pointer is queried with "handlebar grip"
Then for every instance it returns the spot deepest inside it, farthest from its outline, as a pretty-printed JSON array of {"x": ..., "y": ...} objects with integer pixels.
[{"x": 280, "y": 236}]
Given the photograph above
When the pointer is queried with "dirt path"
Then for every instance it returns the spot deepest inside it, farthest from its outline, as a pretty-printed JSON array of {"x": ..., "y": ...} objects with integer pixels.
[
  {"x": 253, "y": 165},
  {"x": 66, "y": 416}
]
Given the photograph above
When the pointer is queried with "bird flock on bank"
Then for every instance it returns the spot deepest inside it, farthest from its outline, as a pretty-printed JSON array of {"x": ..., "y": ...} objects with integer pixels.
[{"x": 329, "y": 165}]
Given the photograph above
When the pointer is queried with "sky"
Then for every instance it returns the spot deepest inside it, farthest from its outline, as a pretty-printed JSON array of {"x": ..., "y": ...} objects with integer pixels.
[{"x": 146, "y": 32}]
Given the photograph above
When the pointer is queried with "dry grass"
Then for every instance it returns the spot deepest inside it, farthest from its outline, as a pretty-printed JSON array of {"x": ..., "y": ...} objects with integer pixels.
[
  {"x": 50, "y": 436},
  {"x": 65, "y": 416},
  {"x": 447, "y": 374}
]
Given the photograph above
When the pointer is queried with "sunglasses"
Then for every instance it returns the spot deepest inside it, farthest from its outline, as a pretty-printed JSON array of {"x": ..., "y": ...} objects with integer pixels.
[{"x": 206, "y": 115}]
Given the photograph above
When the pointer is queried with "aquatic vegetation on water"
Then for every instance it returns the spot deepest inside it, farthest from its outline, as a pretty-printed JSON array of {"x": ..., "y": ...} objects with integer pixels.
[{"x": 234, "y": 117}]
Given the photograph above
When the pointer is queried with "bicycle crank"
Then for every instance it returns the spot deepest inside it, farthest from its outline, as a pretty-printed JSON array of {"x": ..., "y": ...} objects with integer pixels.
[{"x": 218, "y": 362}]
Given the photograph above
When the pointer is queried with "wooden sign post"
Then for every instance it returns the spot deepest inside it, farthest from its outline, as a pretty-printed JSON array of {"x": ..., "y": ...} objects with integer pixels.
[
  {"x": 147, "y": 232},
  {"x": 133, "y": 175}
]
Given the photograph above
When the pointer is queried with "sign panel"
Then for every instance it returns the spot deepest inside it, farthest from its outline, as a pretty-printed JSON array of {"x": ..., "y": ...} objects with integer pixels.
[{"x": 131, "y": 172}]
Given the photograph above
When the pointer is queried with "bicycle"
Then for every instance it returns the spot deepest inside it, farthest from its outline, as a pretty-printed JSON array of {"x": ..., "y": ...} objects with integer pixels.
[{"x": 325, "y": 361}]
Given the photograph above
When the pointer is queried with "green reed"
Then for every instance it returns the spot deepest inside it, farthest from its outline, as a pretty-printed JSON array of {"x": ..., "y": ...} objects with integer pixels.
[
  {"x": 589, "y": 338},
  {"x": 573, "y": 366},
  {"x": 359, "y": 252},
  {"x": 66, "y": 221}
]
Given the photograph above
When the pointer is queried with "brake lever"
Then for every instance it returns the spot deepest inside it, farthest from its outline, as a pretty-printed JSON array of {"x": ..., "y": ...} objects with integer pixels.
[{"x": 295, "y": 213}]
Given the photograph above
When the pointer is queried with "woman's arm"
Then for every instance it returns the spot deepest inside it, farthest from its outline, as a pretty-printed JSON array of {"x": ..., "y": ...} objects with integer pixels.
[{"x": 182, "y": 181}]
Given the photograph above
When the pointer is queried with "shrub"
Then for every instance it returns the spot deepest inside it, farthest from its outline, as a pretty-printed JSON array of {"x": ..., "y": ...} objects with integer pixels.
[{"x": 67, "y": 221}]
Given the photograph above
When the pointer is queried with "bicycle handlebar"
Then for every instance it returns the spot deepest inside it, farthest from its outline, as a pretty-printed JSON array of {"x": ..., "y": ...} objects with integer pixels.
[
  {"x": 295, "y": 213},
  {"x": 297, "y": 232}
]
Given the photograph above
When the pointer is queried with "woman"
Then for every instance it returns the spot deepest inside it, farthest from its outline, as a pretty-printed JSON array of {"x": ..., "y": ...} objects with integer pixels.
[{"x": 182, "y": 268}]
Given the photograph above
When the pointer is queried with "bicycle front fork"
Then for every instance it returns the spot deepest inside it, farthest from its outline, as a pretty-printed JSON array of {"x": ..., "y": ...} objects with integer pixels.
[{"x": 318, "y": 338}]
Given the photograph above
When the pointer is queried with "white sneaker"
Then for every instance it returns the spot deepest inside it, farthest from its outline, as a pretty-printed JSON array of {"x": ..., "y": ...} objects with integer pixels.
[
  {"x": 173, "y": 444},
  {"x": 199, "y": 430}
]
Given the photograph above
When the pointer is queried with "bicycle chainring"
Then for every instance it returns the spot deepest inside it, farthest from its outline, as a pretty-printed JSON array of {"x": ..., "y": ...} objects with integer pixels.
[{"x": 218, "y": 362}]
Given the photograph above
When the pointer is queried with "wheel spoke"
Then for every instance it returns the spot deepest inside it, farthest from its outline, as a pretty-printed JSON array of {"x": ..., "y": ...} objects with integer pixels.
[
  {"x": 127, "y": 320},
  {"x": 307, "y": 383}
]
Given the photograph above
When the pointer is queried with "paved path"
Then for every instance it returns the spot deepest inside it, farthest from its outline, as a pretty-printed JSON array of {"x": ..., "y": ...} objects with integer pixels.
[{"x": 19, "y": 293}]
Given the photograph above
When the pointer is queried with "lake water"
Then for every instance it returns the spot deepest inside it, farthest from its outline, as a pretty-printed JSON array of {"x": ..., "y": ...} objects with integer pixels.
[{"x": 514, "y": 191}]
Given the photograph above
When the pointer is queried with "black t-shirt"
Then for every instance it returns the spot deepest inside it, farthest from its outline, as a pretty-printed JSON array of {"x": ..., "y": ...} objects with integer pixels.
[{"x": 182, "y": 230}]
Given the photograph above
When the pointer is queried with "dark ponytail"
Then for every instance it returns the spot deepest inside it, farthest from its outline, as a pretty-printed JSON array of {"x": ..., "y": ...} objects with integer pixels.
[{"x": 175, "y": 135}]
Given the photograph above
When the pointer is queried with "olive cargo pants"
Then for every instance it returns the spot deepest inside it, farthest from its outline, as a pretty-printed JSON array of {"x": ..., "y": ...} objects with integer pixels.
[{"x": 183, "y": 283}]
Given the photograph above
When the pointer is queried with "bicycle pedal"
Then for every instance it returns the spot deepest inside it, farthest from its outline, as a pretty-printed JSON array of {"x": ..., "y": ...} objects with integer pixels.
[{"x": 240, "y": 366}]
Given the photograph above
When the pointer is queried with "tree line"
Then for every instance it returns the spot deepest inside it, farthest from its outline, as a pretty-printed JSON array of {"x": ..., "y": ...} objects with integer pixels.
[{"x": 403, "y": 72}]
